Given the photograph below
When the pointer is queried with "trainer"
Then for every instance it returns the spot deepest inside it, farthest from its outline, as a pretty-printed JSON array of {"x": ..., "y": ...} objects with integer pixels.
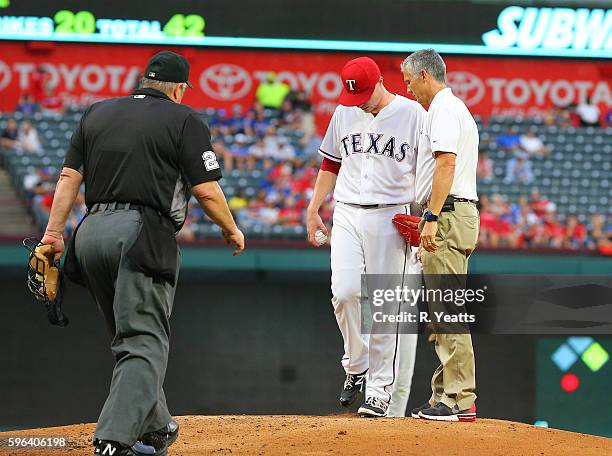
[
  {"x": 140, "y": 157},
  {"x": 446, "y": 189}
]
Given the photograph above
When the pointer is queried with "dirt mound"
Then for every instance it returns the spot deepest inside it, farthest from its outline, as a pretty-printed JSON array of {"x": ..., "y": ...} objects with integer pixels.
[{"x": 341, "y": 434}]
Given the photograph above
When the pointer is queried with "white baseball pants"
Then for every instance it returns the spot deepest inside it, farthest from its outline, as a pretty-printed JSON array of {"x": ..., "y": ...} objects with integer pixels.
[{"x": 364, "y": 241}]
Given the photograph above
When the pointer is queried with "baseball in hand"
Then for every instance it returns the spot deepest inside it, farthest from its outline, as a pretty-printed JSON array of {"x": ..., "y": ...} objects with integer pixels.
[{"x": 320, "y": 237}]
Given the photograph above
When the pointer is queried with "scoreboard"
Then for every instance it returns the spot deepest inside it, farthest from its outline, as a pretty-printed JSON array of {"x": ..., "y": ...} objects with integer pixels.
[{"x": 451, "y": 27}]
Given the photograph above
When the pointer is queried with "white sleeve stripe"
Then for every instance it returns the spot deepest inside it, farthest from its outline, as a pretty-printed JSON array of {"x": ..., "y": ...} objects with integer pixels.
[{"x": 331, "y": 157}]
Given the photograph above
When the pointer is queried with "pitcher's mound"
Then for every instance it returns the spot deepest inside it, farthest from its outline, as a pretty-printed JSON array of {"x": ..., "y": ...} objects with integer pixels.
[{"x": 341, "y": 434}]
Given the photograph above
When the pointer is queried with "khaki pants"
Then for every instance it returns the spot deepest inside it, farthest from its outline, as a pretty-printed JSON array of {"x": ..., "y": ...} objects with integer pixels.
[{"x": 454, "y": 381}]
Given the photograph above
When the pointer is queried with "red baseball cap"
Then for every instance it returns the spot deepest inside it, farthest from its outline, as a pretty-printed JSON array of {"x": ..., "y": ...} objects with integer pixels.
[{"x": 359, "y": 78}]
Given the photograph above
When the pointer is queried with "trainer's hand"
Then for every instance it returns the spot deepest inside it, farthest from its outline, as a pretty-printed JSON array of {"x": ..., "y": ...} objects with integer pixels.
[
  {"x": 428, "y": 236},
  {"x": 236, "y": 238},
  {"x": 314, "y": 223},
  {"x": 56, "y": 239}
]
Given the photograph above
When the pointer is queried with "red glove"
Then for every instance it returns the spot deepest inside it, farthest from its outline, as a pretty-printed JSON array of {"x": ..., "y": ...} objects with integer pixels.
[{"x": 408, "y": 226}]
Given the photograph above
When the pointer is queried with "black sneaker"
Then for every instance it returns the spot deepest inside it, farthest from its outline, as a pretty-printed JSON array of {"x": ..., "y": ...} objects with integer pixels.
[
  {"x": 353, "y": 385},
  {"x": 159, "y": 440},
  {"x": 415, "y": 411},
  {"x": 442, "y": 412},
  {"x": 110, "y": 448},
  {"x": 373, "y": 407}
]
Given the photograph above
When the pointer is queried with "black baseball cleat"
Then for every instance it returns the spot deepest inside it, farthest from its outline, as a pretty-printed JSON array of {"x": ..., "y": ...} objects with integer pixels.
[
  {"x": 159, "y": 440},
  {"x": 415, "y": 411},
  {"x": 110, "y": 448},
  {"x": 442, "y": 412},
  {"x": 353, "y": 385},
  {"x": 373, "y": 407}
]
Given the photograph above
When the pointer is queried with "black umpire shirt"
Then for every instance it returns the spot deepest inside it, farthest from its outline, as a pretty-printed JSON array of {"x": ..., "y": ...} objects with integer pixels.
[{"x": 143, "y": 149}]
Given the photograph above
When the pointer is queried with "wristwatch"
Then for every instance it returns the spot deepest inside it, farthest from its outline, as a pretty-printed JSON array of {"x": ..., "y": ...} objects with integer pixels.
[{"x": 429, "y": 217}]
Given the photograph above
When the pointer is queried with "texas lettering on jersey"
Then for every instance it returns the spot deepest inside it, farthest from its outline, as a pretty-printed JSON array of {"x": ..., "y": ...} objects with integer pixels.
[
  {"x": 377, "y": 153},
  {"x": 375, "y": 143}
]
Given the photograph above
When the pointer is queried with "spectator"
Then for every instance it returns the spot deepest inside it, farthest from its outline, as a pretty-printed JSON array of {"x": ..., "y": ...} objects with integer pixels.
[
  {"x": 300, "y": 102},
  {"x": 588, "y": 113},
  {"x": 237, "y": 155},
  {"x": 608, "y": 118},
  {"x": 600, "y": 234},
  {"x": 28, "y": 138},
  {"x": 484, "y": 170},
  {"x": 38, "y": 182},
  {"x": 76, "y": 215},
  {"x": 290, "y": 118},
  {"x": 558, "y": 117},
  {"x": 554, "y": 232},
  {"x": 533, "y": 145},
  {"x": 518, "y": 169},
  {"x": 575, "y": 234},
  {"x": 310, "y": 144},
  {"x": 8, "y": 140},
  {"x": 285, "y": 151},
  {"x": 51, "y": 102},
  {"x": 269, "y": 213},
  {"x": 509, "y": 142},
  {"x": 538, "y": 204},
  {"x": 27, "y": 106},
  {"x": 256, "y": 122},
  {"x": 290, "y": 213},
  {"x": 235, "y": 124},
  {"x": 237, "y": 203},
  {"x": 258, "y": 151},
  {"x": 40, "y": 81},
  {"x": 271, "y": 93}
]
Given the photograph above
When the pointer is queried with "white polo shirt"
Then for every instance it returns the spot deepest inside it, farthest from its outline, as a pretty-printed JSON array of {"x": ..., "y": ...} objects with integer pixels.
[{"x": 448, "y": 127}]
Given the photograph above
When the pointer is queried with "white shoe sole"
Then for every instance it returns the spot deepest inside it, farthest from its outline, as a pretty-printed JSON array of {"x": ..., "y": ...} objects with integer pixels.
[
  {"x": 413, "y": 415},
  {"x": 367, "y": 413},
  {"x": 467, "y": 417}
]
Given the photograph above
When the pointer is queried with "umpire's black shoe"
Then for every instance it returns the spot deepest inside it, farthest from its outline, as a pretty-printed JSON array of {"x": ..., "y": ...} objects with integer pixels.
[
  {"x": 110, "y": 448},
  {"x": 160, "y": 440},
  {"x": 415, "y": 411},
  {"x": 353, "y": 385}
]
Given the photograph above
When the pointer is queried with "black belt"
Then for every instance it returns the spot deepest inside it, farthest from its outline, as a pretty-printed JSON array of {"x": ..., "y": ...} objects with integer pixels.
[
  {"x": 98, "y": 207},
  {"x": 463, "y": 200},
  {"x": 450, "y": 199},
  {"x": 375, "y": 206}
]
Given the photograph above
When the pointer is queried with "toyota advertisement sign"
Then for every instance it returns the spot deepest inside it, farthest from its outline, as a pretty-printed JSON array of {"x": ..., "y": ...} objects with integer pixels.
[{"x": 222, "y": 78}]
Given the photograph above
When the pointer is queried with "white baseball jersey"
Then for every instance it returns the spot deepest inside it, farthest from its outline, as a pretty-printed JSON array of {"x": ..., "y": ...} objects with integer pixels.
[{"x": 378, "y": 153}]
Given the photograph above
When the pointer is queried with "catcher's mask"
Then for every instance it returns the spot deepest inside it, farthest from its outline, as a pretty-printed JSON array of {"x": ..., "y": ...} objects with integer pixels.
[{"x": 46, "y": 279}]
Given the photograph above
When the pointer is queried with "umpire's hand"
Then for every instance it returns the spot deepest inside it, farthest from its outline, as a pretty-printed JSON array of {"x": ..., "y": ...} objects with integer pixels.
[
  {"x": 234, "y": 237},
  {"x": 56, "y": 239}
]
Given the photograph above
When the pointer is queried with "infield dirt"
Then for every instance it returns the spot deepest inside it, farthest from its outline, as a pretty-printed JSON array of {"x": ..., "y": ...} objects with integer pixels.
[{"x": 338, "y": 434}]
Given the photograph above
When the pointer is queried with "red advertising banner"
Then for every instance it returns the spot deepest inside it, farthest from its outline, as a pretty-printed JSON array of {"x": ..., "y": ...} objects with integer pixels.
[{"x": 489, "y": 85}]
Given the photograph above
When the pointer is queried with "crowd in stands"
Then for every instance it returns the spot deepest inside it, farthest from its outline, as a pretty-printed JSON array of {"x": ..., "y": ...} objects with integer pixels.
[
  {"x": 270, "y": 161},
  {"x": 533, "y": 222}
]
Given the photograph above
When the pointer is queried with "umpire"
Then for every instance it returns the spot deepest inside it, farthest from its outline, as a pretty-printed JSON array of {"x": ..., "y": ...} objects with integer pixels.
[{"x": 140, "y": 157}]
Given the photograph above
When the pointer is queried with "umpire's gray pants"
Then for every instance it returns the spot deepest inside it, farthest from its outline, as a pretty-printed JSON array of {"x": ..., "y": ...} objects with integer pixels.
[{"x": 136, "y": 310}]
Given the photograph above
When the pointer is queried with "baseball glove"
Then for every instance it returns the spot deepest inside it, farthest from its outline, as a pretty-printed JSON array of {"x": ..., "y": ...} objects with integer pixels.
[
  {"x": 45, "y": 279},
  {"x": 408, "y": 226}
]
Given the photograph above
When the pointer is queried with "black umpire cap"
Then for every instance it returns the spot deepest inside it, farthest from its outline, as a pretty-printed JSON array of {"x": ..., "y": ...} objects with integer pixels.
[{"x": 168, "y": 66}]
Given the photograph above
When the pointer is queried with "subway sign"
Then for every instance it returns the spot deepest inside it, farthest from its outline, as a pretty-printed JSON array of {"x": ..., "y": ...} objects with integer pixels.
[
  {"x": 486, "y": 29},
  {"x": 552, "y": 28}
]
